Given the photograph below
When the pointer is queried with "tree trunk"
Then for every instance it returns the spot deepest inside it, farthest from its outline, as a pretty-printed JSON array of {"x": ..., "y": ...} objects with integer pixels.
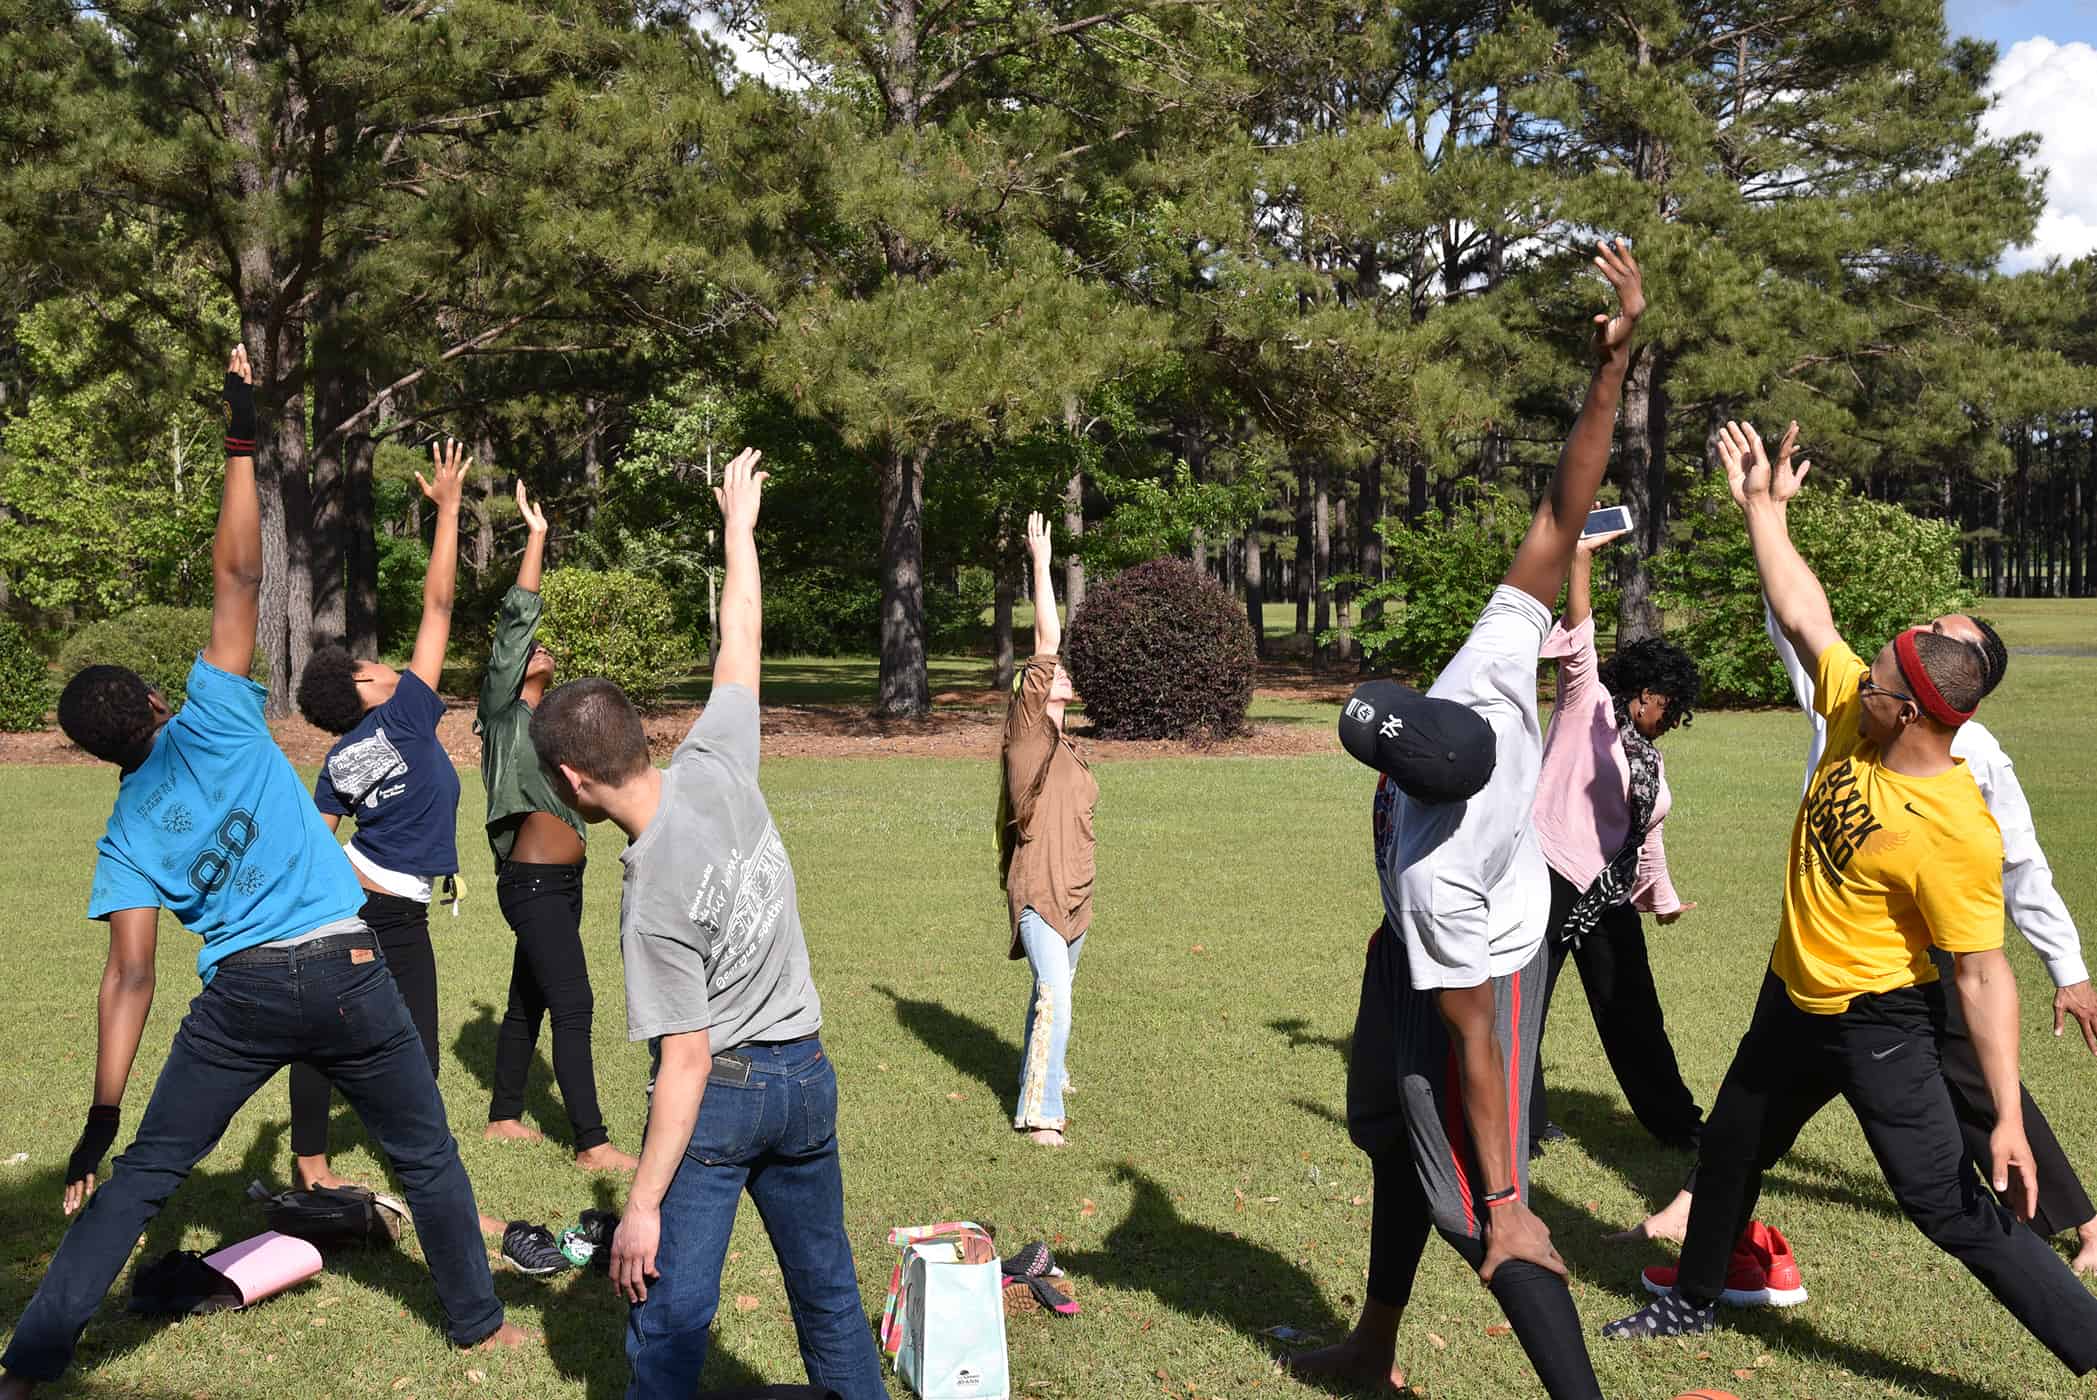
[
  {"x": 1415, "y": 488},
  {"x": 1073, "y": 526},
  {"x": 360, "y": 540},
  {"x": 1255, "y": 600},
  {"x": 284, "y": 630},
  {"x": 1305, "y": 547},
  {"x": 593, "y": 466},
  {"x": 2077, "y": 561},
  {"x": 1001, "y": 622},
  {"x": 1368, "y": 515},
  {"x": 1642, "y": 449},
  {"x": 905, "y": 691},
  {"x": 330, "y": 496},
  {"x": 480, "y": 501},
  {"x": 1321, "y": 555}
]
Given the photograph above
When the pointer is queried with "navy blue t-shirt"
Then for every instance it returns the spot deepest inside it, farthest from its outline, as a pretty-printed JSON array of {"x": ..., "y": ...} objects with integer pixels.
[
  {"x": 215, "y": 826},
  {"x": 392, "y": 775}
]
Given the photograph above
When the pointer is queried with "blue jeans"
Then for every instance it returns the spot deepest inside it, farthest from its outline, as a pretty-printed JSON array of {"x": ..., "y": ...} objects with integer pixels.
[
  {"x": 346, "y": 1019},
  {"x": 776, "y": 1137},
  {"x": 1047, "y": 1036}
]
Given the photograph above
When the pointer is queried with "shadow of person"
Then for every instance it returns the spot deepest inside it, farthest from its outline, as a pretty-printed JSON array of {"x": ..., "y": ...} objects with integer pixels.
[
  {"x": 475, "y": 1048},
  {"x": 1300, "y": 1034},
  {"x": 963, "y": 1042},
  {"x": 1197, "y": 1271},
  {"x": 1319, "y": 1110}
]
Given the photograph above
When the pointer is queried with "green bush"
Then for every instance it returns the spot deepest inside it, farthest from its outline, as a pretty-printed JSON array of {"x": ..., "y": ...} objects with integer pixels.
[
  {"x": 618, "y": 625},
  {"x": 1883, "y": 569},
  {"x": 25, "y": 680},
  {"x": 160, "y": 643},
  {"x": 821, "y": 612},
  {"x": 403, "y": 562},
  {"x": 1440, "y": 572},
  {"x": 1161, "y": 651}
]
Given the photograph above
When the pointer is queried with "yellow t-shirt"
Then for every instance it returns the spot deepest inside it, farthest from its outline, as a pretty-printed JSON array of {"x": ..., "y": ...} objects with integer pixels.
[{"x": 1882, "y": 864}]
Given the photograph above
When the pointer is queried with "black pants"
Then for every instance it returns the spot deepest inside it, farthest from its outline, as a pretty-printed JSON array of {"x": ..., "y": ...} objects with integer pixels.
[
  {"x": 403, "y": 930},
  {"x": 1882, "y": 1056},
  {"x": 2063, "y": 1203},
  {"x": 548, "y": 975},
  {"x": 1619, "y": 984}
]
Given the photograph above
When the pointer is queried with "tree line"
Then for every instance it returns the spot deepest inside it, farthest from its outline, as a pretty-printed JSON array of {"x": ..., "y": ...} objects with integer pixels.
[{"x": 1248, "y": 281}]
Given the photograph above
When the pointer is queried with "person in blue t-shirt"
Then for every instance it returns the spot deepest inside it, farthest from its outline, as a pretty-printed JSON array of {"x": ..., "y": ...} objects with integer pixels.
[
  {"x": 212, "y": 823},
  {"x": 390, "y": 773}
]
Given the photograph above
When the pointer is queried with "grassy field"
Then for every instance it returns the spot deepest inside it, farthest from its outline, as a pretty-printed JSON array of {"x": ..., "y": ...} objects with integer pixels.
[{"x": 1210, "y": 1192}]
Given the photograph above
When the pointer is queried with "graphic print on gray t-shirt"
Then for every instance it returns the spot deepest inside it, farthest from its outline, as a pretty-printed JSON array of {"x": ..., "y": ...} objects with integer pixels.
[{"x": 709, "y": 929}]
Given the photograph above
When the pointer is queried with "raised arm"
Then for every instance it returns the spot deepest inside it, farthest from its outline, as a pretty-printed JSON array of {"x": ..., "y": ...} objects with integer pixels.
[
  {"x": 1048, "y": 627},
  {"x": 1793, "y": 595},
  {"x": 742, "y": 595},
  {"x": 236, "y": 550},
  {"x": 448, "y": 466},
  {"x": 1579, "y": 585},
  {"x": 1540, "y": 562},
  {"x": 121, "y": 1008},
  {"x": 533, "y": 566},
  {"x": 518, "y": 621}
]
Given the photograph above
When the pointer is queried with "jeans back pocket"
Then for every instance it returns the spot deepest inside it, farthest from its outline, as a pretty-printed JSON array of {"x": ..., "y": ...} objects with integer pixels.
[{"x": 731, "y": 1121}]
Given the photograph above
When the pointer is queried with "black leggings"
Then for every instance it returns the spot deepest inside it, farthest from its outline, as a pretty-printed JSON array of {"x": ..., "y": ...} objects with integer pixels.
[
  {"x": 1536, "y": 1301},
  {"x": 1618, "y": 980},
  {"x": 548, "y": 974},
  {"x": 402, "y": 927}
]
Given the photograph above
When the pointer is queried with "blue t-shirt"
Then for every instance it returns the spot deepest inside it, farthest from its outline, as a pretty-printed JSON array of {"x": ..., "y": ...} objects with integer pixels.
[
  {"x": 392, "y": 775},
  {"x": 216, "y": 826}
]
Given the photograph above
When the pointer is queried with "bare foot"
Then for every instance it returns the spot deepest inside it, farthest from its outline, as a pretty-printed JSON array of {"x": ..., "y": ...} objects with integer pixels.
[
  {"x": 511, "y": 1130},
  {"x": 1669, "y": 1223},
  {"x": 1352, "y": 1363},
  {"x": 2085, "y": 1260},
  {"x": 507, "y": 1337},
  {"x": 1047, "y": 1137},
  {"x": 314, "y": 1173},
  {"x": 606, "y": 1158}
]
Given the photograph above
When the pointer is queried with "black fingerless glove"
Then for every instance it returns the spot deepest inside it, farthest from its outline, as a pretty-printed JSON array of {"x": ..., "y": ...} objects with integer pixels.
[
  {"x": 239, "y": 397},
  {"x": 95, "y": 1141}
]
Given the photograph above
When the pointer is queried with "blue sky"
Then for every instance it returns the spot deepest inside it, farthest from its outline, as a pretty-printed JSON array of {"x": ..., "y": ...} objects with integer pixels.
[{"x": 2007, "y": 21}]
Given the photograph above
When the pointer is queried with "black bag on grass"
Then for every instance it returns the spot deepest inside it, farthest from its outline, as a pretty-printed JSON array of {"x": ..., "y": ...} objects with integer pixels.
[
  {"x": 179, "y": 1283},
  {"x": 330, "y": 1217}
]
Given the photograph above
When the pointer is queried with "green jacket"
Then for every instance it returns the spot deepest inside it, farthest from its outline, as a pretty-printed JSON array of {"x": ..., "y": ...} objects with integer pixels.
[{"x": 510, "y": 770}]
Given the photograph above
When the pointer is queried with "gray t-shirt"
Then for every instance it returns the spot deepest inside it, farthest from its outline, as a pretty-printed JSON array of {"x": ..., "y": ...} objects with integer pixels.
[
  {"x": 708, "y": 926},
  {"x": 1464, "y": 883}
]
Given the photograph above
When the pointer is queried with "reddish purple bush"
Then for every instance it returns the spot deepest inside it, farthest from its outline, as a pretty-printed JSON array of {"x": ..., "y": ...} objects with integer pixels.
[{"x": 1160, "y": 651}]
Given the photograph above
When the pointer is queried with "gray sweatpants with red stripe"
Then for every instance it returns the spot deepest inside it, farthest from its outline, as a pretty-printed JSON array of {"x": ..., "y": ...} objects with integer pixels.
[{"x": 1404, "y": 1088}]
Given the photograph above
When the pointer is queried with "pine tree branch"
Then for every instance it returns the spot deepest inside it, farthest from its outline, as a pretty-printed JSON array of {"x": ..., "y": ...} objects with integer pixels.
[
  {"x": 464, "y": 347},
  {"x": 1057, "y": 31}
]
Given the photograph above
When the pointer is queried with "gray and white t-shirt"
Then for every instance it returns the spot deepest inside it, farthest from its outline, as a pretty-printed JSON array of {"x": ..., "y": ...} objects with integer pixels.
[
  {"x": 708, "y": 926},
  {"x": 1464, "y": 883}
]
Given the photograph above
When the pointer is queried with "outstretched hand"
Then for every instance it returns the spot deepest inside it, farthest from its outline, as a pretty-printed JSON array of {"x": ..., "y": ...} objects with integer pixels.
[
  {"x": 740, "y": 487},
  {"x": 1612, "y": 338},
  {"x": 1588, "y": 544},
  {"x": 1038, "y": 538},
  {"x": 1748, "y": 470},
  {"x": 448, "y": 465},
  {"x": 534, "y": 519}
]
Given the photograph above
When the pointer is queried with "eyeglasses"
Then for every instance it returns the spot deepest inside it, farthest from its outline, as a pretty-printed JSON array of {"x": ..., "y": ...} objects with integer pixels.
[{"x": 1868, "y": 686}]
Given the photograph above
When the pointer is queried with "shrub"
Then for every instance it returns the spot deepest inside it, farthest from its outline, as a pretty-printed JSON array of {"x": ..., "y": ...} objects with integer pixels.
[
  {"x": 403, "y": 563},
  {"x": 614, "y": 624},
  {"x": 160, "y": 643},
  {"x": 1440, "y": 572},
  {"x": 25, "y": 680},
  {"x": 1883, "y": 569},
  {"x": 821, "y": 612},
  {"x": 1161, "y": 652}
]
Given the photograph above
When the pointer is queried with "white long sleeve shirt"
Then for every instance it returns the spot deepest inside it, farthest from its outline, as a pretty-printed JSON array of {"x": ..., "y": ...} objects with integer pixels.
[{"x": 2032, "y": 902}]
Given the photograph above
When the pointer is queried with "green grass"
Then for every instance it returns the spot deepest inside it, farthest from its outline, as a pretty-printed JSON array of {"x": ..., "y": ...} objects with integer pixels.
[{"x": 1210, "y": 1191}]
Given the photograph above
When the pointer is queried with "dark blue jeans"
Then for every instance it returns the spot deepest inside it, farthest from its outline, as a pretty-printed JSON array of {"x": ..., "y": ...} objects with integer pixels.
[
  {"x": 347, "y": 1019},
  {"x": 775, "y": 1137}
]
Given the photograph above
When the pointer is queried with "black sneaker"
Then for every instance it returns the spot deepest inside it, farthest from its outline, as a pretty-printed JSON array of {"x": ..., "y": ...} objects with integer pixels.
[
  {"x": 1670, "y": 1316},
  {"x": 532, "y": 1249},
  {"x": 598, "y": 1226}
]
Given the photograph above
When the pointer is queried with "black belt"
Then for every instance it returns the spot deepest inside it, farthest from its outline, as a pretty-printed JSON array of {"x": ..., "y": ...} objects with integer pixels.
[{"x": 312, "y": 947}]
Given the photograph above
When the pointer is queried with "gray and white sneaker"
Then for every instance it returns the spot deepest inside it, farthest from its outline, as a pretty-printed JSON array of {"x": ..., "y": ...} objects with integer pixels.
[
  {"x": 1670, "y": 1316},
  {"x": 532, "y": 1249}
]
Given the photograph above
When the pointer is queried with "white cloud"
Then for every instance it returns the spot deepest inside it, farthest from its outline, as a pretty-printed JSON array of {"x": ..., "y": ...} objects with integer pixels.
[{"x": 2044, "y": 87}]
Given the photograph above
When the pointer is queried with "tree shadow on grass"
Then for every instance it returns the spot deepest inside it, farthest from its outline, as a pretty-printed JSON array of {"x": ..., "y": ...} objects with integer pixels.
[
  {"x": 963, "y": 1042},
  {"x": 1319, "y": 1110},
  {"x": 1197, "y": 1271},
  {"x": 1300, "y": 1034},
  {"x": 475, "y": 1048}
]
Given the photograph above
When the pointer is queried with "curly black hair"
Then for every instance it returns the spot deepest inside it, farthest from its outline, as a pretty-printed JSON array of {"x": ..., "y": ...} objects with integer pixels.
[
  {"x": 328, "y": 695},
  {"x": 1661, "y": 667},
  {"x": 108, "y": 710}
]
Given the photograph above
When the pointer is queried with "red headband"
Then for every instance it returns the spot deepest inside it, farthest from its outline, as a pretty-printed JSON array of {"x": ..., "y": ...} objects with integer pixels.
[{"x": 1927, "y": 697}]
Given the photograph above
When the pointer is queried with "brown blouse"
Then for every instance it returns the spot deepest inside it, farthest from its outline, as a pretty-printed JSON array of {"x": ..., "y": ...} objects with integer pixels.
[{"x": 1053, "y": 792}]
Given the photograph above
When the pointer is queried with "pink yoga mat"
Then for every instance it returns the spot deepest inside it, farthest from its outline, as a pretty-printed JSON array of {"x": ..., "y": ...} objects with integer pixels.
[{"x": 268, "y": 1263}]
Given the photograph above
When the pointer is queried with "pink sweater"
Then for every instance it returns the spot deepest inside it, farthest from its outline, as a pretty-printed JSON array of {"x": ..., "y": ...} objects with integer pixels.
[{"x": 1582, "y": 812}]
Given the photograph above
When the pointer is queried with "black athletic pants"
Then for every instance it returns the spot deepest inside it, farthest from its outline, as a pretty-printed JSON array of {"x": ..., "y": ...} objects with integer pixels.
[
  {"x": 1882, "y": 1056},
  {"x": 403, "y": 930},
  {"x": 1618, "y": 981},
  {"x": 548, "y": 976}
]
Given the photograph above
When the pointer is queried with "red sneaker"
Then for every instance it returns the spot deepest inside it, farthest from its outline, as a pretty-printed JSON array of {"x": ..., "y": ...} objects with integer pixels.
[{"x": 1762, "y": 1272}]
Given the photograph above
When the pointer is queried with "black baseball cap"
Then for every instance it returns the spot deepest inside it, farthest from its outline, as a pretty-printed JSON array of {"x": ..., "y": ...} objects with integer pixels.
[{"x": 1435, "y": 750}]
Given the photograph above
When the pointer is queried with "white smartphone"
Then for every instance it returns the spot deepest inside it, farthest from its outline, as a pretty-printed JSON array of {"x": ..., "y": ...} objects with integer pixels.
[{"x": 1605, "y": 520}]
